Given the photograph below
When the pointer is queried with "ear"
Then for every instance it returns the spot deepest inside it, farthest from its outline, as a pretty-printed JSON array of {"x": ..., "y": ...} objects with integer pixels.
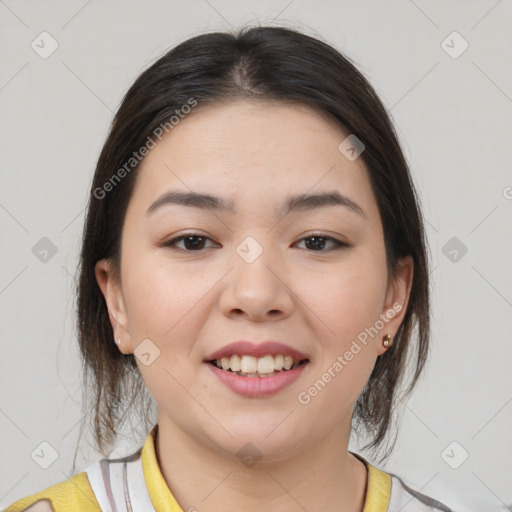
[
  {"x": 112, "y": 291},
  {"x": 397, "y": 298}
]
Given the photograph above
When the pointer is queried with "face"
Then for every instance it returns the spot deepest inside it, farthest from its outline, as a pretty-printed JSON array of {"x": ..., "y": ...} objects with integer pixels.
[{"x": 256, "y": 266}]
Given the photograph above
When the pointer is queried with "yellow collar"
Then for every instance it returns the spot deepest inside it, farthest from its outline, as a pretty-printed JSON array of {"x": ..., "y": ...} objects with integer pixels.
[{"x": 378, "y": 490}]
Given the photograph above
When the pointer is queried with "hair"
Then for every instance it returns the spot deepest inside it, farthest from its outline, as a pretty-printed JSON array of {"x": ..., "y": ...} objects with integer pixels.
[{"x": 257, "y": 64}]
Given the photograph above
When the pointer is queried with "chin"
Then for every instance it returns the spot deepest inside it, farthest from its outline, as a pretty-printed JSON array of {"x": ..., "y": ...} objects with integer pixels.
[{"x": 261, "y": 441}]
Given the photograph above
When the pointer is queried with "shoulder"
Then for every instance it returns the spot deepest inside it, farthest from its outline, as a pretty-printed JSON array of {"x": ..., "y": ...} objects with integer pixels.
[
  {"x": 73, "y": 494},
  {"x": 405, "y": 499},
  {"x": 387, "y": 492}
]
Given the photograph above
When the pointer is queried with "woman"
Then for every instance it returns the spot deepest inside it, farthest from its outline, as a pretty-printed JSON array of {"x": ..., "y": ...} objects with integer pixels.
[{"x": 254, "y": 258}]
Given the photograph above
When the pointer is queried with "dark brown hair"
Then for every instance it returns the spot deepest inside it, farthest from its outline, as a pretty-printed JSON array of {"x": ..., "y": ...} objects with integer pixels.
[{"x": 253, "y": 63}]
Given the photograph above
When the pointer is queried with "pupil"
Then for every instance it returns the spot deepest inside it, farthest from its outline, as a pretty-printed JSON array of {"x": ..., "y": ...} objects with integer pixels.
[
  {"x": 315, "y": 242},
  {"x": 199, "y": 240}
]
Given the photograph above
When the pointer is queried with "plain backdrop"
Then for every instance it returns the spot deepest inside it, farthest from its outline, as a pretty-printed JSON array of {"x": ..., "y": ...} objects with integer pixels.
[{"x": 442, "y": 68}]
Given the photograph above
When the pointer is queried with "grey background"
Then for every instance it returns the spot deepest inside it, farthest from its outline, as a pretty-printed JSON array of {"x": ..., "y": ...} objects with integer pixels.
[{"x": 454, "y": 119}]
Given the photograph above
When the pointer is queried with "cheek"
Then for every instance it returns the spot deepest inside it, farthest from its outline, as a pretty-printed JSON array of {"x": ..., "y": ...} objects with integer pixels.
[
  {"x": 161, "y": 298},
  {"x": 346, "y": 301},
  {"x": 349, "y": 296},
  {"x": 164, "y": 305}
]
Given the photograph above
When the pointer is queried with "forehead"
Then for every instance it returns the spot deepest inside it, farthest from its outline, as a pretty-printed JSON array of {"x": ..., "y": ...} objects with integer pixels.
[
  {"x": 256, "y": 129},
  {"x": 246, "y": 150}
]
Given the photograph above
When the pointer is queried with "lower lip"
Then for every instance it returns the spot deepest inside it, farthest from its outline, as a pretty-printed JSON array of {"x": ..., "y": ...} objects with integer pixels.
[{"x": 254, "y": 387}]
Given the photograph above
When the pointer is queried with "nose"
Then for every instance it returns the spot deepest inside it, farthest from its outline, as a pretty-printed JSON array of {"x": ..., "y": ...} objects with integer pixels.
[{"x": 257, "y": 291}]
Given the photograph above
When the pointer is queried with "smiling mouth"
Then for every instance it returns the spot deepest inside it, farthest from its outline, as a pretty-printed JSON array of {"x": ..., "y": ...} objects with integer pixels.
[{"x": 262, "y": 367}]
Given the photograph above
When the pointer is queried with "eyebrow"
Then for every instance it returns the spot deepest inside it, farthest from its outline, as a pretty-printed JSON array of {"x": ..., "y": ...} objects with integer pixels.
[
  {"x": 193, "y": 199},
  {"x": 300, "y": 202},
  {"x": 307, "y": 202}
]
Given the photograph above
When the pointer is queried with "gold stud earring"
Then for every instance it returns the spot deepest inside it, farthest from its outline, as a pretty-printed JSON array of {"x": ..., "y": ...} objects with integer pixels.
[{"x": 387, "y": 340}]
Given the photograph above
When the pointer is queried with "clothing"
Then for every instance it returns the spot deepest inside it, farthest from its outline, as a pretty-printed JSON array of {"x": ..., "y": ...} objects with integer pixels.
[{"x": 136, "y": 484}]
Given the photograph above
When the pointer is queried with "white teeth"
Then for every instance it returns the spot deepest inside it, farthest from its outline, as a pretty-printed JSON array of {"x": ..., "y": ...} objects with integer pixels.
[
  {"x": 266, "y": 364},
  {"x": 253, "y": 367},
  {"x": 249, "y": 364},
  {"x": 236, "y": 363}
]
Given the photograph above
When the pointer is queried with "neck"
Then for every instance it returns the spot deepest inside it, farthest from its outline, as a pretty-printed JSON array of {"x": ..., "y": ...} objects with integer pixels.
[{"x": 323, "y": 478}]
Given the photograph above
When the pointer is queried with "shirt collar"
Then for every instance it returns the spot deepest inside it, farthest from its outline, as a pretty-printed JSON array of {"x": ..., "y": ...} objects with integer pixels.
[
  {"x": 378, "y": 490},
  {"x": 160, "y": 494}
]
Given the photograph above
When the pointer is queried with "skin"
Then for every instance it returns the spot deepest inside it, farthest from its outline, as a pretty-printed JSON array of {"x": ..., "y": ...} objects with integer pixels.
[{"x": 192, "y": 303}]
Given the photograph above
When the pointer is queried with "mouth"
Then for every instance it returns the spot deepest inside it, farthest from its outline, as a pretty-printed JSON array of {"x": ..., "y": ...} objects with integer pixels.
[{"x": 269, "y": 365}]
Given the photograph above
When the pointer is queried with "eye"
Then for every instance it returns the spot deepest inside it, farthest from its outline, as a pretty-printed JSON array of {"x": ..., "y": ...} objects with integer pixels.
[
  {"x": 318, "y": 241},
  {"x": 191, "y": 242}
]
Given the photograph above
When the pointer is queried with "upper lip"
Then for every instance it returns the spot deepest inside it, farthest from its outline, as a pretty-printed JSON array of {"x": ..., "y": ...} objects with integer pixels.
[{"x": 256, "y": 350}]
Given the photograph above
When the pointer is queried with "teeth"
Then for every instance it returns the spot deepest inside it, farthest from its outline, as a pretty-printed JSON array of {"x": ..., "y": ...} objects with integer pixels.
[
  {"x": 235, "y": 363},
  {"x": 249, "y": 366},
  {"x": 266, "y": 364}
]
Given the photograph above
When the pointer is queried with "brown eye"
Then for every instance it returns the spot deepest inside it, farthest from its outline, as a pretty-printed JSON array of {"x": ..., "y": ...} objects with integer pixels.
[
  {"x": 191, "y": 242},
  {"x": 319, "y": 242}
]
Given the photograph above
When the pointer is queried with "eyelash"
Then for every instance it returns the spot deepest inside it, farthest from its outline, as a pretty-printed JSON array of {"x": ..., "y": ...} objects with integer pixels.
[{"x": 338, "y": 244}]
